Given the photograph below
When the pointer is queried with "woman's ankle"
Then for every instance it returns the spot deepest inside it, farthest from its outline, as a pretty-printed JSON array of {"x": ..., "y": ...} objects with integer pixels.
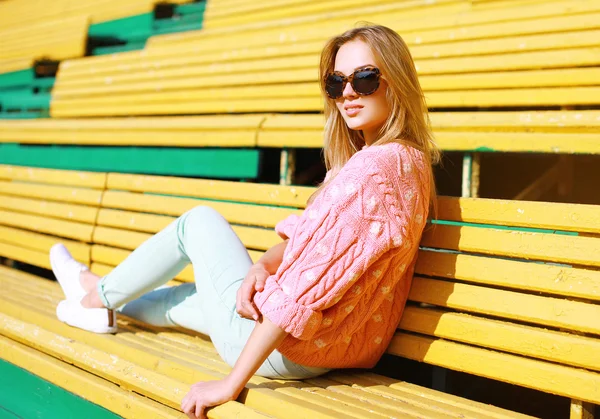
[
  {"x": 89, "y": 281},
  {"x": 92, "y": 300}
]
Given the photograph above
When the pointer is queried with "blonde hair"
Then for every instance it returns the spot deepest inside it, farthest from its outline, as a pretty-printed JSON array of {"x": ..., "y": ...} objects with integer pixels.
[{"x": 408, "y": 122}]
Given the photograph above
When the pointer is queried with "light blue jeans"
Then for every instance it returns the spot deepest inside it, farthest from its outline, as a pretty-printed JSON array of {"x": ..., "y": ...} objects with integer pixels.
[{"x": 220, "y": 260}]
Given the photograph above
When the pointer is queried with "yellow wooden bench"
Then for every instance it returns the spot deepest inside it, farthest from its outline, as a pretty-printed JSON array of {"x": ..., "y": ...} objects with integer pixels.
[
  {"x": 174, "y": 79},
  {"x": 16, "y": 13},
  {"x": 39, "y": 207},
  {"x": 505, "y": 290},
  {"x": 54, "y": 40}
]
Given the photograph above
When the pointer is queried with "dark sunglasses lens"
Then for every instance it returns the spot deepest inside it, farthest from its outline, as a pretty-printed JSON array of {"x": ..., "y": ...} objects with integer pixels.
[
  {"x": 365, "y": 82},
  {"x": 334, "y": 86}
]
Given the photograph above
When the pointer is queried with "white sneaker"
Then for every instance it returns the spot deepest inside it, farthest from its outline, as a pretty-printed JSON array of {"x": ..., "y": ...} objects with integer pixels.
[
  {"x": 67, "y": 271},
  {"x": 97, "y": 320}
]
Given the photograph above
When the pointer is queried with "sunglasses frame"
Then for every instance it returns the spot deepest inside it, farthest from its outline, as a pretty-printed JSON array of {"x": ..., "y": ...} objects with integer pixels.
[{"x": 350, "y": 79}]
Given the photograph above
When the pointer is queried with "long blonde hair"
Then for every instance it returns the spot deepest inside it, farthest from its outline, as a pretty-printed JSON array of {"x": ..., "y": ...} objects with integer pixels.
[{"x": 408, "y": 122}]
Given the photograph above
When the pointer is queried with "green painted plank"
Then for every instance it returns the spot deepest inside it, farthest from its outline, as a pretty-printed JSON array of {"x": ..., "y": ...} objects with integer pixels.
[
  {"x": 190, "y": 8},
  {"x": 223, "y": 163},
  {"x": 165, "y": 28},
  {"x": 25, "y": 114},
  {"x": 125, "y": 28},
  {"x": 17, "y": 78},
  {"x": 25, "y": 395},
  {"x": 130, "y": 46}
]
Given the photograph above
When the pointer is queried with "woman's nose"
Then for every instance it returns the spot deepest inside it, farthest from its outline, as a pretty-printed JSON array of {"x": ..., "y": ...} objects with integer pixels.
[{"x": 349, "y": 90}]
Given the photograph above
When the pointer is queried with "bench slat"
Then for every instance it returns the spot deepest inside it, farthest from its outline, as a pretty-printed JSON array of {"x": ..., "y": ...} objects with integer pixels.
[
  {"x": 57, "y": 177},
  {"x": 534, "y": 277},
  {"x": 553, "y": 248},
  {"x": 61, "y": 228},
  {"x": 73, "y": 212},
  {"x": 294, "y": 196},
  {"x": 21, "y": 254},
  {"x": 88, "y": 386},
  {"x": 263, "y": 216},
  {"x": 42, "y": 243},
  {"x": 547, "y": 311},
  {"x": 551, "y": 378},
  {"x": 53, "y": 193},
  {"x": 504, "y": 336}
]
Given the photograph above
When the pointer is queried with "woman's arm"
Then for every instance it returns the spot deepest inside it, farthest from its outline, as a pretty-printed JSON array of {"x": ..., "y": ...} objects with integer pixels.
[
  {"x": 272, "y": 258},
  {"x": 263, "y": 340}
]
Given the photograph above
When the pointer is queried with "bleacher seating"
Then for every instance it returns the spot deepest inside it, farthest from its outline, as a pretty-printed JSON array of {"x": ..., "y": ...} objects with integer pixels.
[
  {"x": 506, "y": 296},
  {"x": 506, "y": 290}
]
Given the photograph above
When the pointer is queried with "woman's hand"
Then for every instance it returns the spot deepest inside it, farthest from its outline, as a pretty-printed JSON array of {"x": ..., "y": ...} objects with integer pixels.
[
  {"x": 254, "y": 281},
  {"x": 206, "y": 394}
]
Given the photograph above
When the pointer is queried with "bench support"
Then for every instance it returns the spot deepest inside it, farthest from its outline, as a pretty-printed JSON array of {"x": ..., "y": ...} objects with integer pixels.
[
  {"x": 581, "y": 410},
  {"x": 471, "y": 173},
  {"x": 287, "y": 166}
]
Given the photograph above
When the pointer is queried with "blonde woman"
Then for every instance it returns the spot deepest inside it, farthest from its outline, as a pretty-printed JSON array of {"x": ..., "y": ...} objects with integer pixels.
[{"x": 331, "y": 294}]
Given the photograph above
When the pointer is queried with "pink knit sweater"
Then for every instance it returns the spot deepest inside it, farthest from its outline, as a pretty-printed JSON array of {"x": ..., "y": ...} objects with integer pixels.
[{"x": 348, "y": 266}]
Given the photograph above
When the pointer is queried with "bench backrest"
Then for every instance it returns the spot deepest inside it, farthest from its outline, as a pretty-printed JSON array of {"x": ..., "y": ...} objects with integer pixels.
[
  {"x": 39, "y": 207},
  {"x": 503, "y": 289}
]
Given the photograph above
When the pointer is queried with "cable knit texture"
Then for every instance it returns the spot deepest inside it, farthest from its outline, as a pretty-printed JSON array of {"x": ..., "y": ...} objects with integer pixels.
[{"x": 346, "y": 272}]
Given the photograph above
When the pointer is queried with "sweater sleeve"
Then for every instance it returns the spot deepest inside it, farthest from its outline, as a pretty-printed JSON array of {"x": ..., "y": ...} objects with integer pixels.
[
  {"x": 344, "y": 233},
  {"x": 285, "y": 228}
]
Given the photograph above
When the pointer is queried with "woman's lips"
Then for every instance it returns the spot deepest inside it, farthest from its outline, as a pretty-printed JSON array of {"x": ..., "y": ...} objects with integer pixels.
[{"x": 353, "y": 111}]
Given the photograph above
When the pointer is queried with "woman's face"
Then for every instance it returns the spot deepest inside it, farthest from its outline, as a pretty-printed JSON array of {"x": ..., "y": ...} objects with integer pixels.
[{"x": 365, "y": 113}]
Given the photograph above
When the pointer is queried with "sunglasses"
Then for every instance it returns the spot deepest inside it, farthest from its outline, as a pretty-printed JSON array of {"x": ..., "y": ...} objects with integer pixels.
[{"x": 364, "y": 81}]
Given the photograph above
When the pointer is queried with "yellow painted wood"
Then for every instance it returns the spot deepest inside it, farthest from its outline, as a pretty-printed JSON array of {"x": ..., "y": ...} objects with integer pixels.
[
  {"x": 263, "y": 216},
  {"x": 53, "y": 193},
  {"x": 42, "y": 243},
  {"x": 112, "y": 256},
  {"x": 6, "y": 66},
  {"x": 535, "y": 277},
  {"x": 61, "y": 228},
  {"x": 553, "y": 312},
  {"x": 170, "y": 124},
  {"x": 267, "y": 401},
  {"x": 369, "y": 381},
  {"x": 124, "y": 373},
  {"x": 548, "y": 377},
  {"x": 374, "y": 392},
  {"x": 520, "y": 244},
  {"x": 507, "y": 44},
  {"x": 560, "y": 347},
  {"x": 581, "y": 410},
  {"x": 435, "y": 75},
  {"x": 387, "y": 406},
  {"x": 124, "y": 403},
  {"x": 21, "y": 254},
  {"x": 546, "y": 215},
  {"x": 173, "y": 139},
  {"x": 73, "y": 212},
  {"x": 294, "y": 196},
  {"x": 52, "y": 176}
]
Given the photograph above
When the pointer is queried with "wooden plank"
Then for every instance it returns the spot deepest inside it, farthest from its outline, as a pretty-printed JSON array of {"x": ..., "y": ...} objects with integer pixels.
[
  {"x": 293, "y": 196},
  {"x": 88, "y": 386},
  {"x": 52, "y": 193},
  {"x": 21, "y": 254},
  {"x": 57, "y": 177},
  {"x": 539, "y": 375},
  {"x": 533, "y": 277},
  {"x": 61, "y": 228},
  {"x": 124, "y": 373},
  {"x": 553, "y": 312},
  {"x": 73, "y": 212},
  {"x": 533, "y": 342},
  {"x": 42, "y": 243},
  {"x": 257, "y": 215},
  {"x": 544, "y": 215},
  {"x": 517, "y": 244},
  {"x": 437, "y": 74}
]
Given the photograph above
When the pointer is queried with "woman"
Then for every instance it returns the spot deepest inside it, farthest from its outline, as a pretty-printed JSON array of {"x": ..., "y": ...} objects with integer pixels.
[{"x": 331, "y": 294}]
